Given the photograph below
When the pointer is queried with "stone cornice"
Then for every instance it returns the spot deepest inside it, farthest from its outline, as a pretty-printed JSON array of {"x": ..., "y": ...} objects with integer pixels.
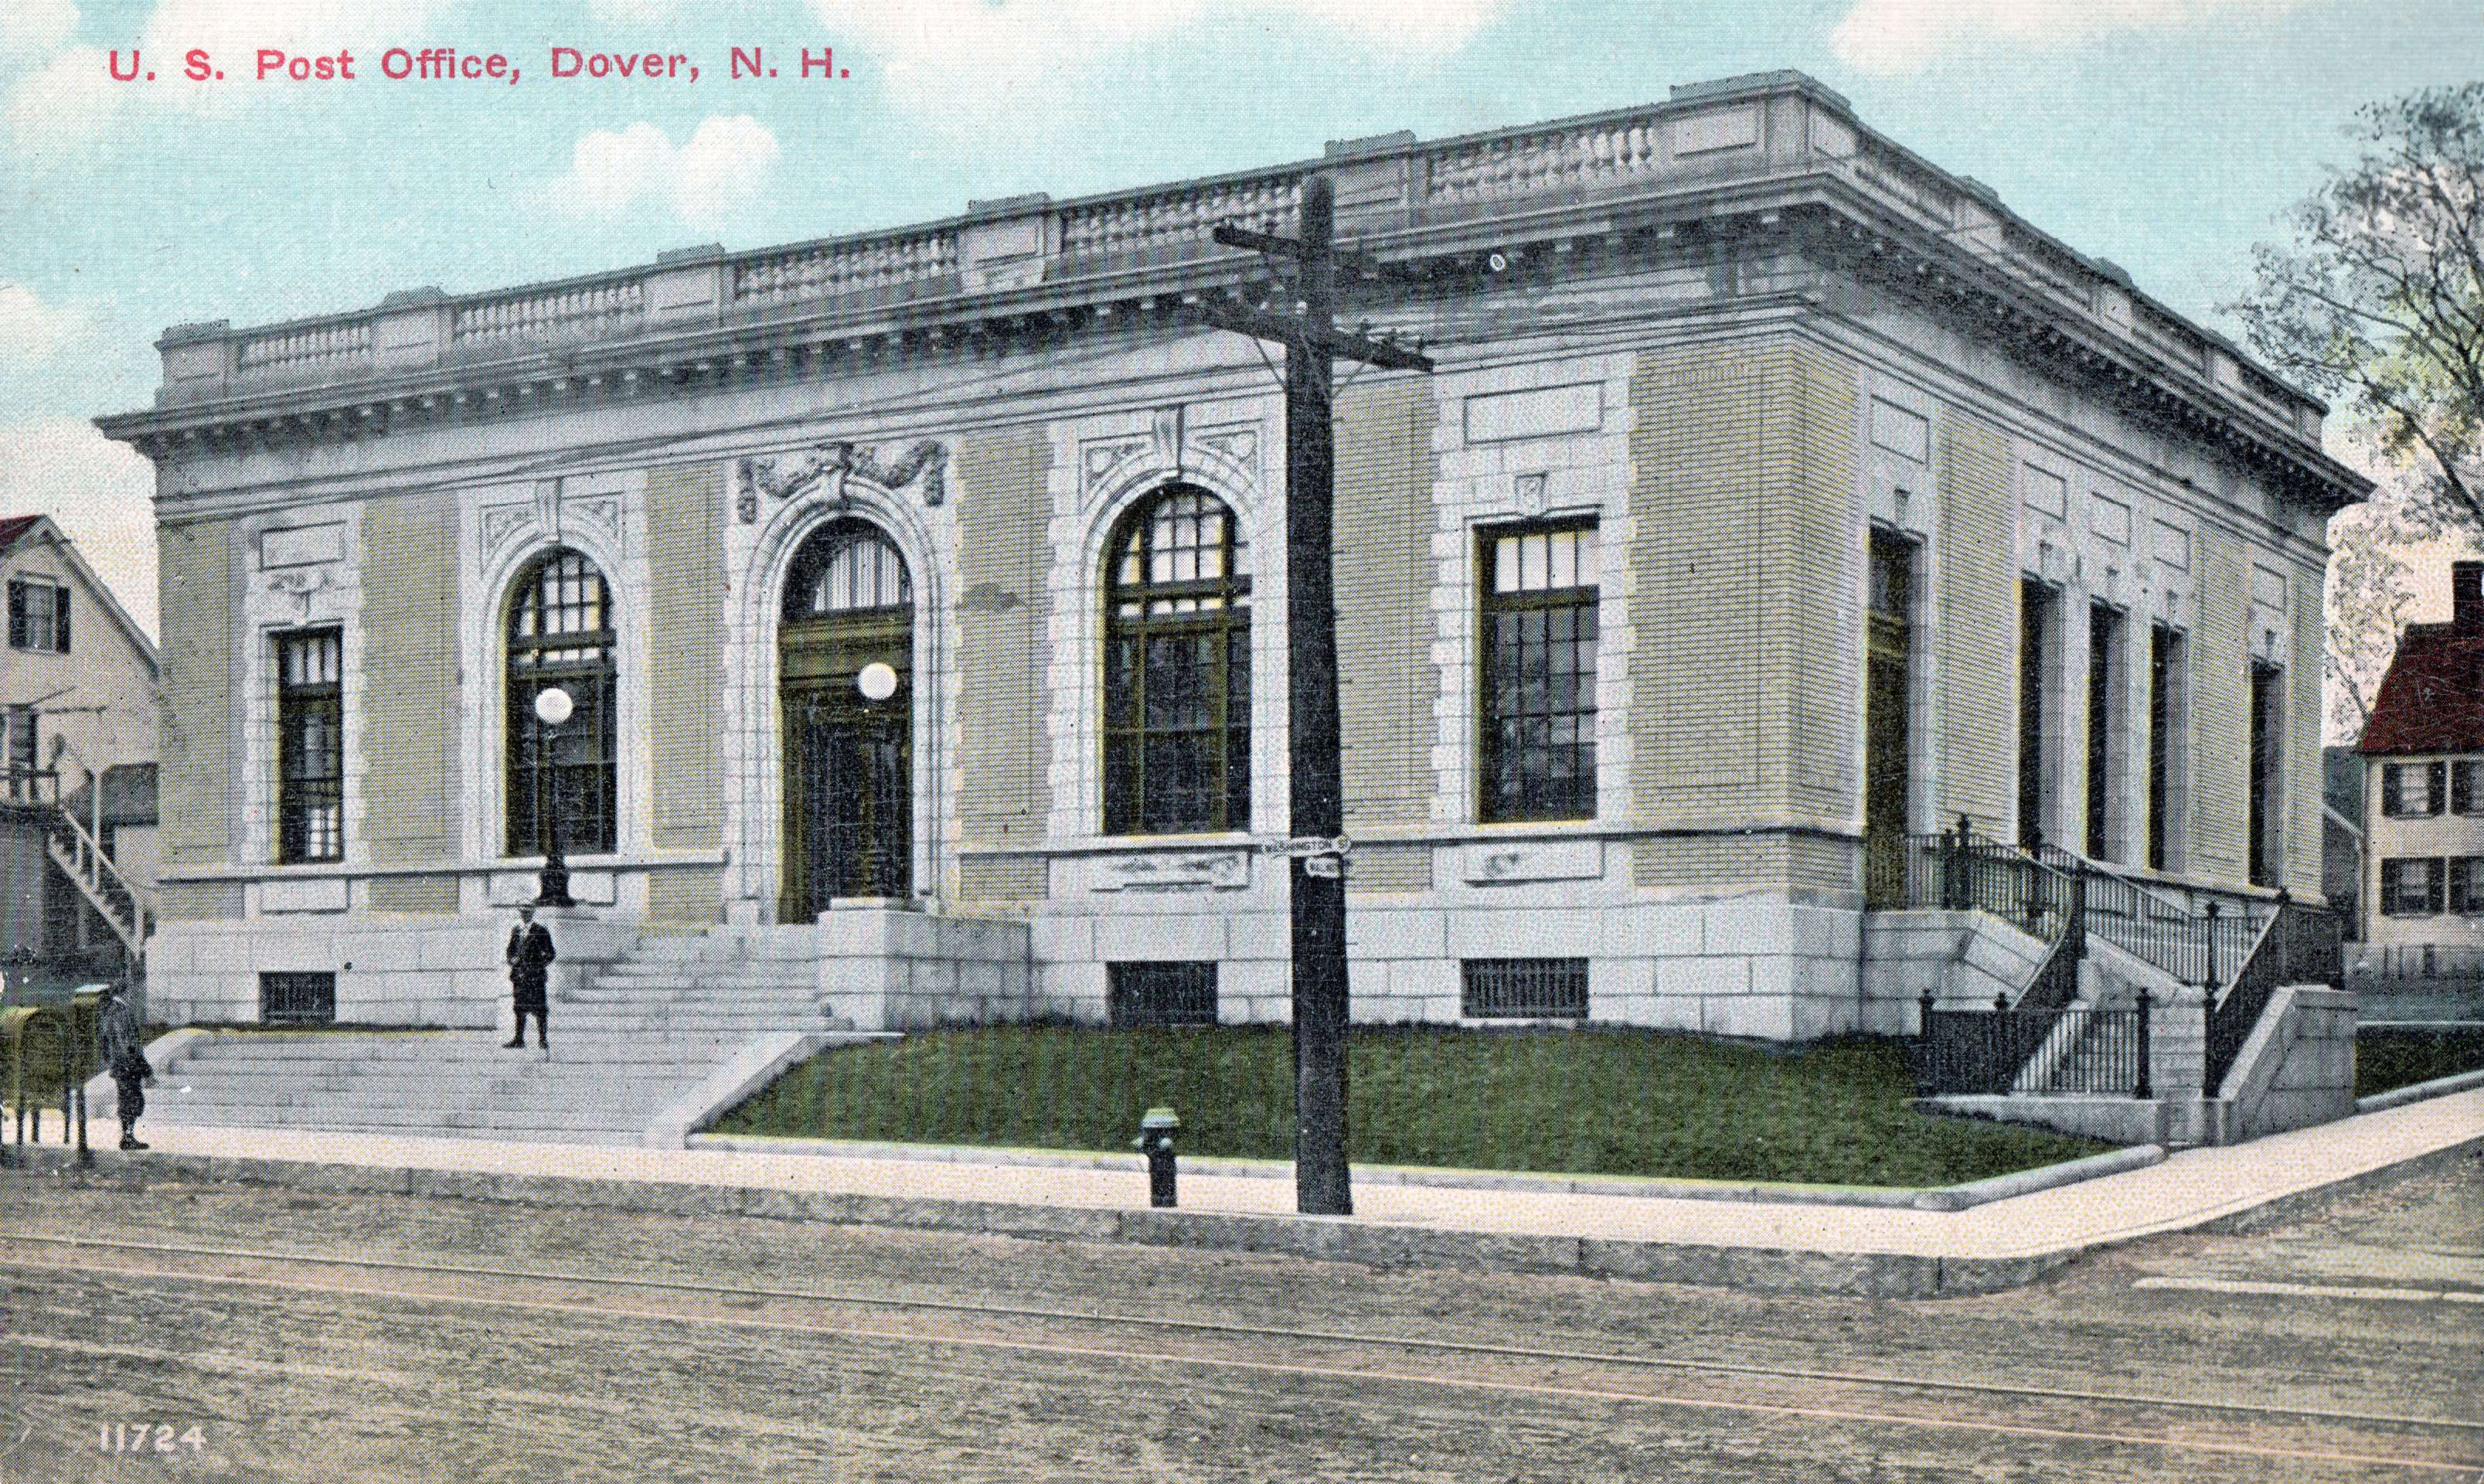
[{"x": 1769, "y": 164}]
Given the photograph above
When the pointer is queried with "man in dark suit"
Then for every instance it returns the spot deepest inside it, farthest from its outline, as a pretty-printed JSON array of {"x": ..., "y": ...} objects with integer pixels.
[
  {"x": 125, "y": 1038},
  {"x": 530, "y": 953}
]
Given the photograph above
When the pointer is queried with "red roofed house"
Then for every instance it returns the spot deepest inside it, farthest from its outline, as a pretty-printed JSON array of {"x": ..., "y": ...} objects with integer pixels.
[{"x": 2423, "y": 782}]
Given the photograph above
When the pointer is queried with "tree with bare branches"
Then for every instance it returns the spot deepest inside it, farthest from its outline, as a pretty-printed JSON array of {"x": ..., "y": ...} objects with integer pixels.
[{"x": 2378, "y": 300}]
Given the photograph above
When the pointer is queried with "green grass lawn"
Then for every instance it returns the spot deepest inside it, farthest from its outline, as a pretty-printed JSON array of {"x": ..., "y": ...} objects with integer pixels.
[
  {"x": 1587, "y": 1102},
  {"x": 2402, "y": 1056}
]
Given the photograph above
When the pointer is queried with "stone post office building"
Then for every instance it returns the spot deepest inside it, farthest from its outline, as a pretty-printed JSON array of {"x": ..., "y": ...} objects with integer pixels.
[{"x": 921, "y": 595}]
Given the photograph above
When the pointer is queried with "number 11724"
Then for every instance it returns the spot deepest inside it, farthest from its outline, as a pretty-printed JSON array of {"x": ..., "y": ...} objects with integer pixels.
[{"x": 149, "y": 1438}]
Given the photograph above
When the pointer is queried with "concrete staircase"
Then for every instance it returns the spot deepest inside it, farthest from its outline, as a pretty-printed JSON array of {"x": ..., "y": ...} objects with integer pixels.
[{"x": 629, "y": 1040}]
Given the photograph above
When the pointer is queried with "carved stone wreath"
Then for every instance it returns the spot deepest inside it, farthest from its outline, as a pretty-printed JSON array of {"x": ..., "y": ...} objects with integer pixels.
[{"x": 787, "y": 475}]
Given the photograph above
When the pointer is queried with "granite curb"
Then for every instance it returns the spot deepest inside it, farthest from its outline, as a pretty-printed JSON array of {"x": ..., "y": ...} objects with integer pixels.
[
  {"x": 1333, "y": 1240},
  {"x": 1950, "y": 1198},
  {"x": 2439, "y": 1086}
]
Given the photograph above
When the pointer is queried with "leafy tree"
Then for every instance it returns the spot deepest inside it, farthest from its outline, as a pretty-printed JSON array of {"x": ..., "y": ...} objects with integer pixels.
[
  {"x": 2378, "y": 300},
  {"x": 2371, "y": 589}
]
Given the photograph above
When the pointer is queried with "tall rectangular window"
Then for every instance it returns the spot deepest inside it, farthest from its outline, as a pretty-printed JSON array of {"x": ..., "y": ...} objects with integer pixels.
[
  {"x": 20, "y": 722},
  {"x": 310, "y": 745},
  {"x": 39, "y": 616},
  {"x": 1887, "y": 700},
  {"x": 2104, "y": 729},
  {"x": 1539, "y": 673},
  {"x": 2267, "y": 746},
  {"x": 2467, "y": 786},
  {"x": 2165, "y": 709},
  {"x": 2035, "y": 642}
]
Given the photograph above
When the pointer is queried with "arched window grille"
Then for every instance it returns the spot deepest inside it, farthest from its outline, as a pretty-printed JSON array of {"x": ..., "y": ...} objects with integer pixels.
[
  {"x": 848, "y": 567},
  {"x": 560, "y": 634},
  {"x": 1177, "y": 668}
]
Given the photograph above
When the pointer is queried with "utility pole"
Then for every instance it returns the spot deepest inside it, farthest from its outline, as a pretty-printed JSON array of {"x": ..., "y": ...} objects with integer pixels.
[{"x": 1317, "y": 859}]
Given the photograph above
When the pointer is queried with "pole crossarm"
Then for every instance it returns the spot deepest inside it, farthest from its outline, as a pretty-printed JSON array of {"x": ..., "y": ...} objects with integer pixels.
[
  {"x": 1311, "y": 338},
  {"x": 1360, "y": 266}
]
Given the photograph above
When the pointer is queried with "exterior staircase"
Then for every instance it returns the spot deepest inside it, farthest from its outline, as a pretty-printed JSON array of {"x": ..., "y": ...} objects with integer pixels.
[
  {"x": 629, "y": 1042},
  {"x": 123, "y": 905}
]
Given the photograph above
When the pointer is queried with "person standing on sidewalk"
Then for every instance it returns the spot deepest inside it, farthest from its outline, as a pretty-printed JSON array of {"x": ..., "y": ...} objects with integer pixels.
[
  {"x": 530, "y": 953},
  {"x": 124, "y": 1039}
]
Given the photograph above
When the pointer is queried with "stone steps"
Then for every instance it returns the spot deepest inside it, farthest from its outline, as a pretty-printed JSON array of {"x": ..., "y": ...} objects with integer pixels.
[{"x": 643, "y": 1031}]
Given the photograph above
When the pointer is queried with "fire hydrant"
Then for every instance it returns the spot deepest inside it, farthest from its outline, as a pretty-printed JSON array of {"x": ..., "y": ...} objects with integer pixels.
[{"x": 1156, "y": 1141}]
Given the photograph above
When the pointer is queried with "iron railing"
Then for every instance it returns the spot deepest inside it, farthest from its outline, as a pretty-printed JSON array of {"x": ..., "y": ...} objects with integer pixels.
[
  {"x": 2069, "y": 1052},
  {"x": 1962, "y": 871},
  {"x": 2299, "y": 946},
  {"x": 2197, "y": 934}
]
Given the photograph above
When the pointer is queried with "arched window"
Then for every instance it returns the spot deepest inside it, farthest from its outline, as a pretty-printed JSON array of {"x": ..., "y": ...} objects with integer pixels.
[
  {"x": 1177, "y": 668},
  {"x": 846, "y": 567},
  {"x": 560, "y": 779}
]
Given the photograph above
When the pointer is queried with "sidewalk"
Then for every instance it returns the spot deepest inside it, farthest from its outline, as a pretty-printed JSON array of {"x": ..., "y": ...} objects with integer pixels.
[{"x": 1752, "y": 1244}]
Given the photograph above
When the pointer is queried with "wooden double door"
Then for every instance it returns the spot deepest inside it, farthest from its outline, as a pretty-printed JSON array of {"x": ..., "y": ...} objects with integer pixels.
[{"x": 848, "y": 761}]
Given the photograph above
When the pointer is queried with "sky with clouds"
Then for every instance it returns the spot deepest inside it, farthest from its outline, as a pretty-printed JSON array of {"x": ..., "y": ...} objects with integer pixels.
[{"x": 2163, "y": 134}]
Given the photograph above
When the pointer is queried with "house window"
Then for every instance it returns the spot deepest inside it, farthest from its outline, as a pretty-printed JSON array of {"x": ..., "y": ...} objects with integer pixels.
[
  {"x": 309, "y": 747},
  {"x": 2467, "y": 786},
  {"x": 2411, "y": 888},
  {"x": 19, "y": 722},
  {"x": 2466, "y": 885},
  {"x": 1177, "y": 668},
  {"x": 1539, "y": 673},
  {"x": 560, "y": 779},
  {"x": 2413, "y": 790},
  {"x": 1163, "y": 993},
  {"x": 39, "y": 617},
  {"x": 1525, "y": 988}
]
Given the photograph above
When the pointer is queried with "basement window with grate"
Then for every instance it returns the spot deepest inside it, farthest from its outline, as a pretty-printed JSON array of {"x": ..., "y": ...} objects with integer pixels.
[
  {"x": 297, "y": 999},
  {"x": 1524, "y": 989}
]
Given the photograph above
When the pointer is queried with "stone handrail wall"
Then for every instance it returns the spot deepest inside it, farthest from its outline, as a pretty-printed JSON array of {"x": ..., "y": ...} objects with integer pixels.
[
  {"x": 1178, "y": 219},
  {"x": 835, "y": 270},
  {"x": 1593, "y": 156},
  {"x": 580, "y": 313},
  {"x": 307, "y": 347}
]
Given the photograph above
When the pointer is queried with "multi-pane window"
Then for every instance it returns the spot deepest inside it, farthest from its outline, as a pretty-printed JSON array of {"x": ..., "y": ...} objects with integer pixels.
[
  {"x": 561, "y": 778},
  {"x": 2466, "y": 885},
  {"x": 1177, "y": 668},
  {"x": 2413, "y": 790},
  {"x": 2467, "y": 786},
  {"x": 854, "y": 569},
  {"x": 309, "y": 747},
  {"x": 1539, "y": 673},
  {"x": 2411, "y": 887},
  {"x": 39, "y": 616},
  {"x": 20, "y": 720}
]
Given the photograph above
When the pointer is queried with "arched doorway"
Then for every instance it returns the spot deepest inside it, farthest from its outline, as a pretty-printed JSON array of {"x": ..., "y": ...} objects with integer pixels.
[{"x": 846, "y": 652}]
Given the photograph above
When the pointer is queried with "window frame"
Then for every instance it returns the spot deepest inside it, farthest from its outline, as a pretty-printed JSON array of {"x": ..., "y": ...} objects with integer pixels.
[
  {"x": 2394, "y": 897},
  {"x": 55, "y": 638},
  {"x": 1146, "y": 617},
  {"x": 592, "y": 682},
  {"x": 1577, "y": 800},
  {"x": 299, "y": 795},
  {"x": 2393, "y": 775},
  {"x": 2466, "y": 787},
  {"x": 2464, "y": 890}
]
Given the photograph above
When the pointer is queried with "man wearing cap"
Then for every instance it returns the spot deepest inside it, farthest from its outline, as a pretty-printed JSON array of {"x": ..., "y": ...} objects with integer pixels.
[
  {"x": 530, "y": 952},
  {"x": 125, "y": 1038}
]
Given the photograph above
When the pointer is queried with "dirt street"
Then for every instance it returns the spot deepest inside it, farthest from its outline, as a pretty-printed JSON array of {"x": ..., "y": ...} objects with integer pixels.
[{"x": 259, "y": 1335}]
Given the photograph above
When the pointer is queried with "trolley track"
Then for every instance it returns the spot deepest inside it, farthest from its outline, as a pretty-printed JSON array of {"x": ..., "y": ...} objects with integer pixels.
[{"x": 2422, "y": 1445}]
